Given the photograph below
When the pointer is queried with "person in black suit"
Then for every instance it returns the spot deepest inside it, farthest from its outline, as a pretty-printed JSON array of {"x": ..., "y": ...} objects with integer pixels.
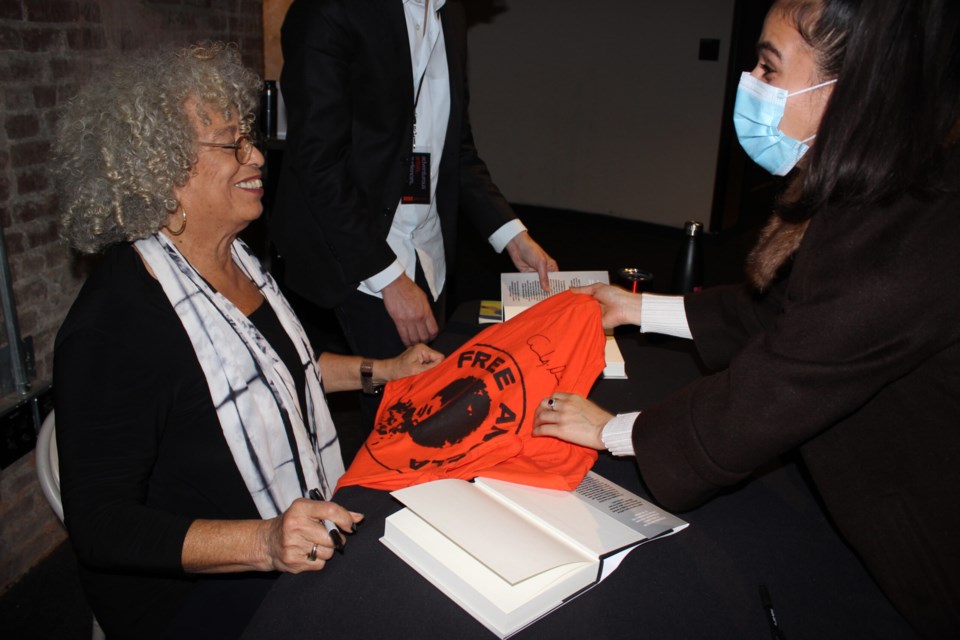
[{"x": 359, "y": 77}]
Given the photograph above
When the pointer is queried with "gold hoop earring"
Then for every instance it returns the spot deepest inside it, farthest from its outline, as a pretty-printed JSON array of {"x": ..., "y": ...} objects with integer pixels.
[{"x": 183, "y": 224}]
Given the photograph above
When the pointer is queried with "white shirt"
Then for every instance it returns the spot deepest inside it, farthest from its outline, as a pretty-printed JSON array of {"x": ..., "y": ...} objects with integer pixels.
[
  {"x": 415, "y": 232},
  {"x": 659, "y": 314}
]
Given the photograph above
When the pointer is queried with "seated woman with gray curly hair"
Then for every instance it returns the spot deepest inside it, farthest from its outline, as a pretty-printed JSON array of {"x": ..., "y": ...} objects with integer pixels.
[{"x": 191, "y": 422}]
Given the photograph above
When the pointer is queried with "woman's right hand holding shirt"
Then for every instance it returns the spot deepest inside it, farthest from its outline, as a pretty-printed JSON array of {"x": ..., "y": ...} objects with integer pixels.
[{"x": 619, "y": 306}]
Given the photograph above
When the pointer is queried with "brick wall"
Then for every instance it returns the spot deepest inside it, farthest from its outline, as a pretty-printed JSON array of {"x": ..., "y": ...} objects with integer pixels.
[{"x": 47, "y": 49}]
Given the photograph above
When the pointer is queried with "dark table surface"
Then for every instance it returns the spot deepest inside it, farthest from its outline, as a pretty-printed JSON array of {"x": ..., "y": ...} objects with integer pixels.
[{"x": 700, "y": 583}]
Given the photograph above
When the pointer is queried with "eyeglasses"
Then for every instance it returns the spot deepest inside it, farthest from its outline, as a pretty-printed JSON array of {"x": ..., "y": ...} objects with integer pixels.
[{"x": 242, "y": 148}]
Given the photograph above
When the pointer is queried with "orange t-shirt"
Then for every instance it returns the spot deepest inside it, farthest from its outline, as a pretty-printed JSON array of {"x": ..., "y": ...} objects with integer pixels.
[{"x": 473, "y": 413}]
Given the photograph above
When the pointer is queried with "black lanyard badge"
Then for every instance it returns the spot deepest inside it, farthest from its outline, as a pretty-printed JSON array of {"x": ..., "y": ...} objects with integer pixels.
[{"x": 416, "y": 188}]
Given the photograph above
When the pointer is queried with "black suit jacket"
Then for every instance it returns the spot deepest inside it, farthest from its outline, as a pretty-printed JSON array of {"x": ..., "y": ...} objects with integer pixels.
[{"x": 347, "y": 82}]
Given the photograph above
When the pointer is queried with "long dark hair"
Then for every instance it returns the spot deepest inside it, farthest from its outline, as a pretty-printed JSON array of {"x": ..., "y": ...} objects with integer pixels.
[{"x": 895, "y": 109}]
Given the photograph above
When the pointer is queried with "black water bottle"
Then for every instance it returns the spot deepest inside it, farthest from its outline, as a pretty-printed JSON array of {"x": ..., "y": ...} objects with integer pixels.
[
  {"x": 688, "y": 273},
  {"x": 268, "y": 109}
]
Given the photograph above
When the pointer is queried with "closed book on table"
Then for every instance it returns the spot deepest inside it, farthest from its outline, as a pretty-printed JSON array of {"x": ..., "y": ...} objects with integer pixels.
[{"x": 510, "y": 553}]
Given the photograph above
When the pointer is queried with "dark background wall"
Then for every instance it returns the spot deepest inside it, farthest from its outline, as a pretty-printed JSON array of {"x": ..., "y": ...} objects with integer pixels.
[
  {"x": 48, "y": 48},
  {"x": 613, "y": 108}
]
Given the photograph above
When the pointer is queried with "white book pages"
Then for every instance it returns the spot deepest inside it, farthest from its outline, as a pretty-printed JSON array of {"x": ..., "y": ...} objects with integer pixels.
[{"x": 496, "y": 535}]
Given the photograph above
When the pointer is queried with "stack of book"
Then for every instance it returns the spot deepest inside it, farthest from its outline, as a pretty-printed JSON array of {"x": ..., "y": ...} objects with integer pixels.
[{"x": 509, "y": 553}]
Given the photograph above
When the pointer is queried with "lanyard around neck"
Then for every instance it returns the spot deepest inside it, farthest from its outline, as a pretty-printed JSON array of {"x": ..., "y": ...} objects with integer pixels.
[{"x": 416, "y": 97}]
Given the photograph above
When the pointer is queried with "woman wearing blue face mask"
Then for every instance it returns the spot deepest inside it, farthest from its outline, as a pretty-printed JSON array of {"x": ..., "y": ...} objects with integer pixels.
[
  {"x": 760, "y": 110},
  {"x": 845, "y": 343}
]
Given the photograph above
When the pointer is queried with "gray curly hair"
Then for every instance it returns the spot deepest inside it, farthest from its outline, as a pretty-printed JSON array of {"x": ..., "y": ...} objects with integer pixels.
[{"x": 125, "y": 143}]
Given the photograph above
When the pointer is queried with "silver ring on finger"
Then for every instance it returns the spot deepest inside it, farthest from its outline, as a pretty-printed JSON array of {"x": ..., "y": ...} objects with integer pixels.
[
  {"x": 551, "y": 403},
  {"x": 312, "y": 556}
]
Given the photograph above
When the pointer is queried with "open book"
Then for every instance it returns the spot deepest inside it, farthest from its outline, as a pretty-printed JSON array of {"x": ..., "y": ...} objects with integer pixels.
[
  {"x": 510, "y": 553},
  {"x": 520, "y": 291}
]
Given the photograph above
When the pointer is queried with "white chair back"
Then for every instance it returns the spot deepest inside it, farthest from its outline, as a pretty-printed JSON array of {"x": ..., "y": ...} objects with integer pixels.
[
  {"x": 48, "y": 471},
  {"x": 48, "y": 465}
]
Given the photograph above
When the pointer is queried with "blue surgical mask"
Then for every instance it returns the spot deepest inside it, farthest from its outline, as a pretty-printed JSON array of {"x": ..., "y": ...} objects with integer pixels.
[{"x": 756, "y": 117}]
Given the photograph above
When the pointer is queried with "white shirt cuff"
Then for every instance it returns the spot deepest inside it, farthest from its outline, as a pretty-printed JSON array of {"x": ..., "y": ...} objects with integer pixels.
[
  {"x": 617, "y": 434},
  {"x": 377, "y": 282},
  {"x": 505, "y": 234},
  {"x": 664, "y": 314}
]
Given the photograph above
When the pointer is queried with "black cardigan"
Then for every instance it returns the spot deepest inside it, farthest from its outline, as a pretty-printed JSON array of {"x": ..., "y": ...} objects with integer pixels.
[{"x": 142, "y": 455}]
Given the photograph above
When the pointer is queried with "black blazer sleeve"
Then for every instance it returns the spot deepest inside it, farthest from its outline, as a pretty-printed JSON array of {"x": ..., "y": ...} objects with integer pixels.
[
  {"x": 724, "y": 319},
  {"x": 349, "y": 108},
  {"x": 865, "y": 315}
]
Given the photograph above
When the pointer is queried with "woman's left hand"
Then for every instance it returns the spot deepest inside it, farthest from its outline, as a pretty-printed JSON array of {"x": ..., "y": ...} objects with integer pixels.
[
  {"x": 415, "y": 359},
  {"x": 572, "y": 418}
]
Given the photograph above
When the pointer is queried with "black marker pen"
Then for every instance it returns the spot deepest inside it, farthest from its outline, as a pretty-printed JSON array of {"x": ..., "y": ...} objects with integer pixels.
[{"x": 332, "y": 530}]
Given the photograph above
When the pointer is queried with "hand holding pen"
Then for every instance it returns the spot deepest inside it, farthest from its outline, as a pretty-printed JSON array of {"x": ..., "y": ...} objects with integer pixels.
[
  {"x": 304, "y": 536},
  {"x": 332, "y": 530}
]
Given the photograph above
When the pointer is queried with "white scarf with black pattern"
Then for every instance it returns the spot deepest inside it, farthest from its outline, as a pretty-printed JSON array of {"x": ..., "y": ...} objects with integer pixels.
[{"x": 252, "y": 390}]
